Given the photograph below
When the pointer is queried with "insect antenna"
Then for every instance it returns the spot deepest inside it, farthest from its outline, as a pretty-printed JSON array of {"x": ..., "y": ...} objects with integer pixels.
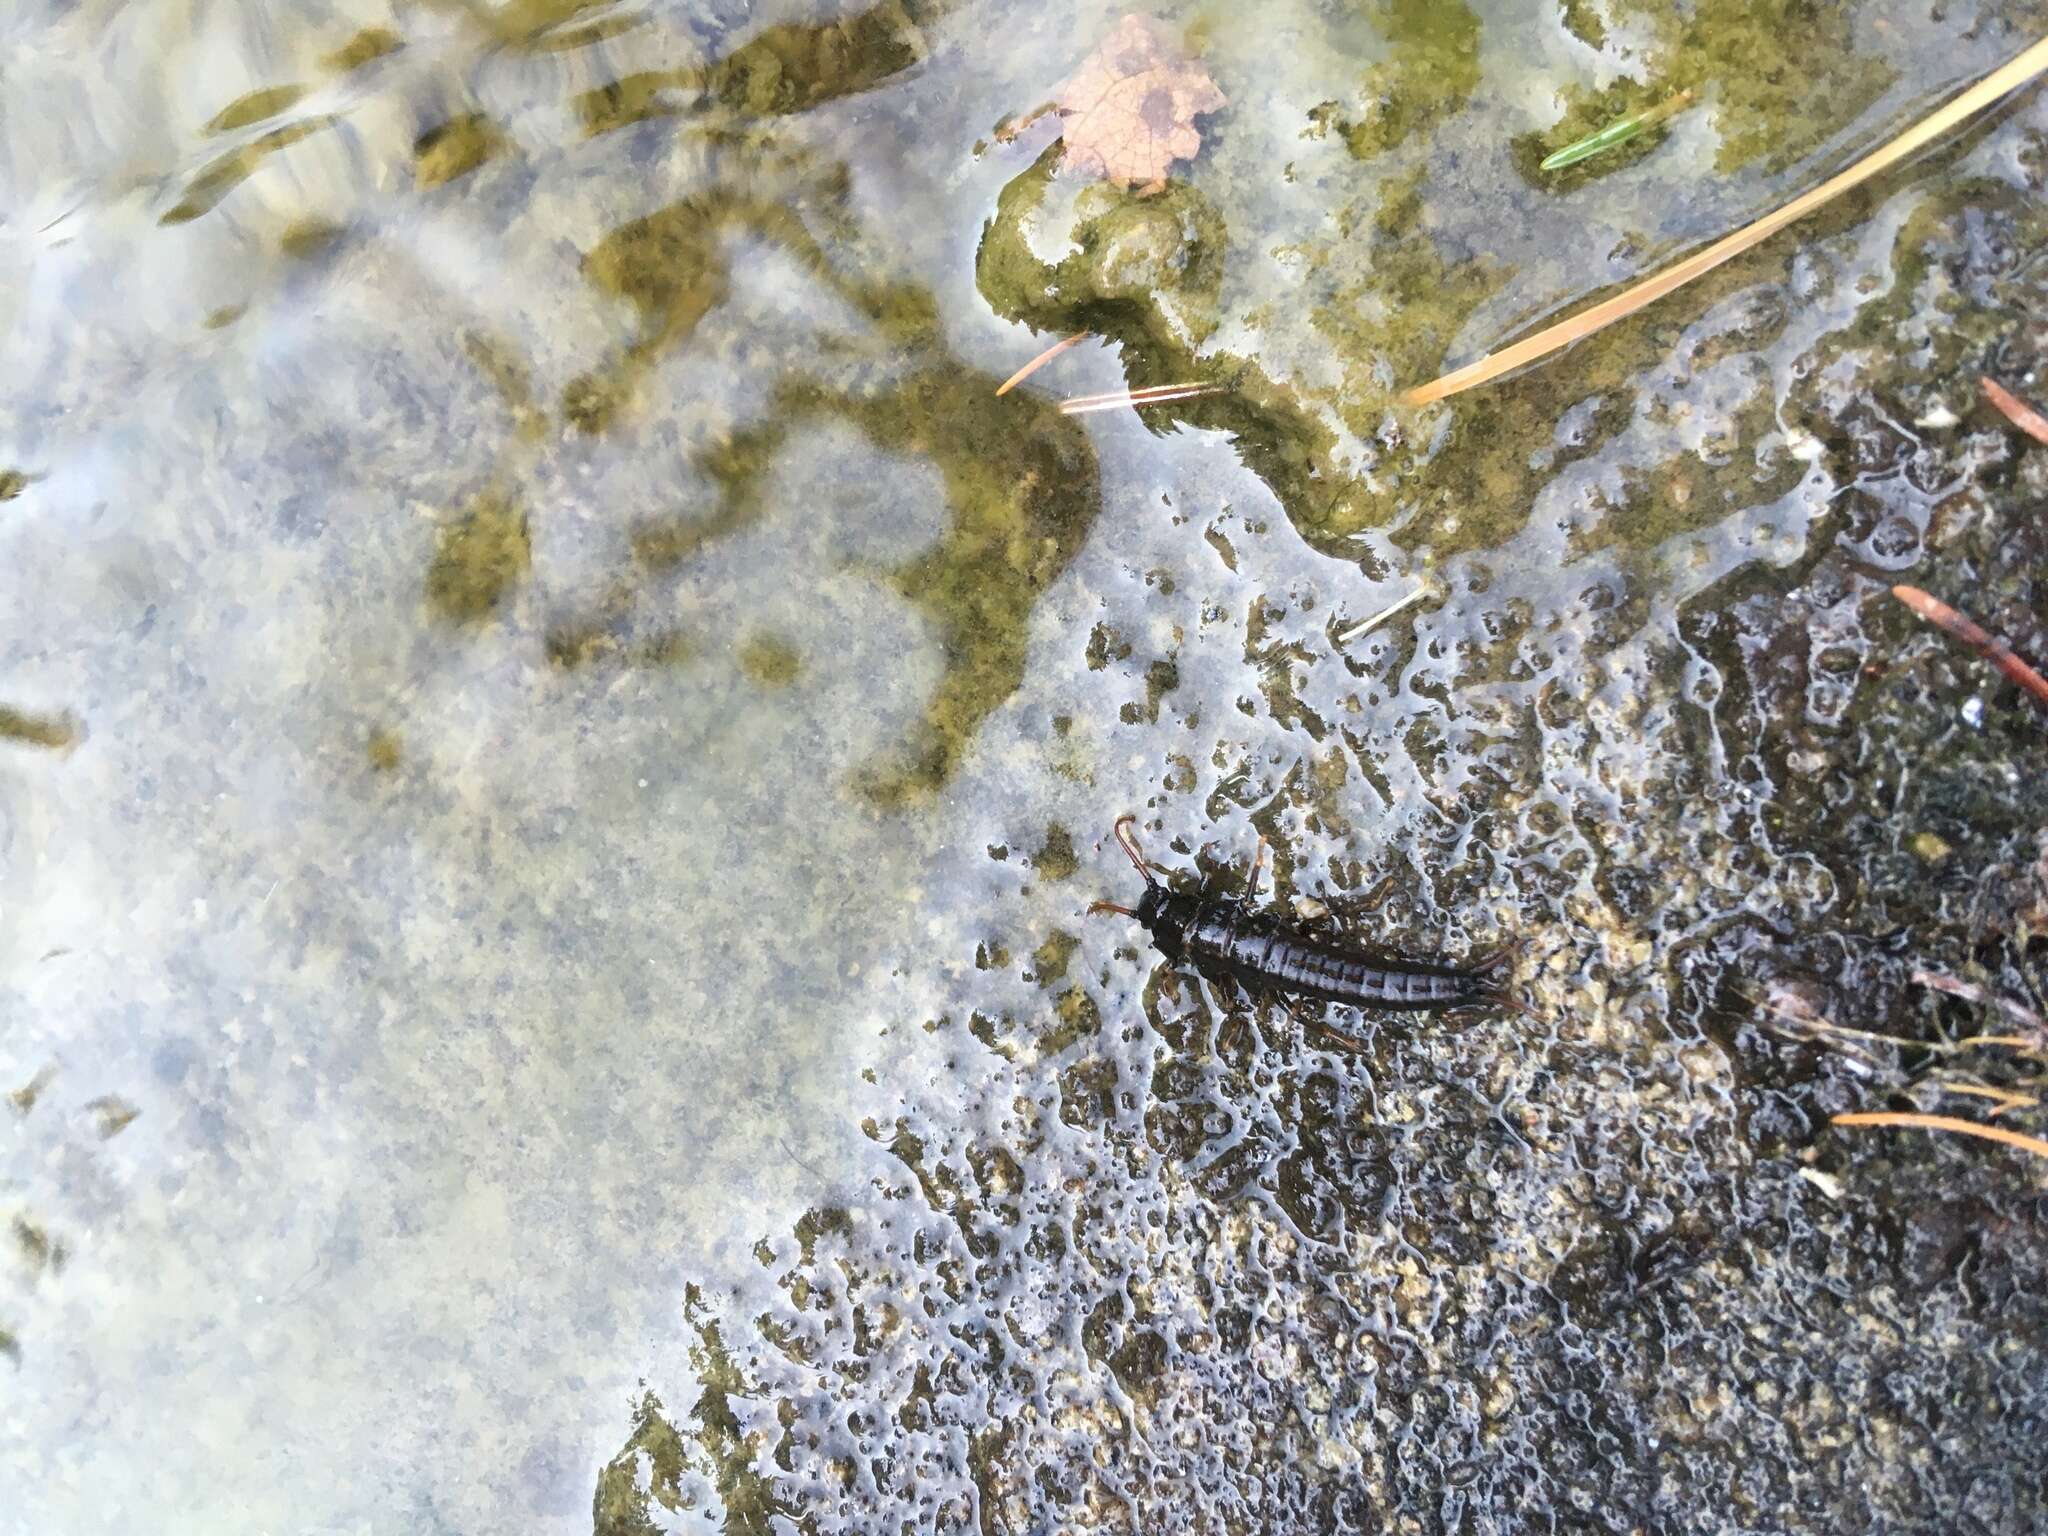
[
  {"x": 1128, "y": 841},
  {"x": 1095, "y": 908}
]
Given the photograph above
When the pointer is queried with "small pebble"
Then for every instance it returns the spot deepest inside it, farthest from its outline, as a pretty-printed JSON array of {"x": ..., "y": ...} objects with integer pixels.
[
  {"x": 1931, "y": 846},
  {"x": 1823, "y": 1181}
]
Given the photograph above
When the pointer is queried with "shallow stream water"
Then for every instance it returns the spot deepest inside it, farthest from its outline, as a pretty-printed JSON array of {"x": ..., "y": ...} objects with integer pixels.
[{"x": 555, "y": 736}]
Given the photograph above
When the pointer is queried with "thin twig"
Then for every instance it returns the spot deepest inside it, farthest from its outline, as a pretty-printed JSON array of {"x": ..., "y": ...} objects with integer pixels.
[
  {"x": 2005, "y": 1098},
  {"x": 1974, "y": 635},
  {"x": 1159, "y": 394},
  {"x": 1363, "y": 626},
  {"x": 1040, "y": 361},
  {"x": 2033, "y": 1144},
  {"x": 1979, "y": 96},
  {"x": 1815, "y": 1023},
  {"x": 2016, "y": 410}
]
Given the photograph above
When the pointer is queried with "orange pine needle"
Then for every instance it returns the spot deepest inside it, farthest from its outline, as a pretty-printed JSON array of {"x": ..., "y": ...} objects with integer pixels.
[
  {"x": 1040, "y": 361},
  {"x": 1575, "y": 327},
  {"x": 2005, "y": 1098},
  {"x": 2016, "y": 410},
  {"x": 1974, "y": 635},
  {"x": 1999, "y": 1133}
]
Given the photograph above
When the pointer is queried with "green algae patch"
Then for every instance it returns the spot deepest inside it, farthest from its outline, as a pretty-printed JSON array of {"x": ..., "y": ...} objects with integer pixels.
[
  {"x": 1050, "y": 960},
  {"x": 366, "y": 47},
  {"x": 612, "y": 633},
  {"x": 620, "y": 1505},
  {"x": 674, "y": 266},
  {"x": 1778, "y": 78},
  {"x": 310, "y": 239},
  {"x": 478, "y": 558},
  {"x": 54, "y": 732},
  {"x": 12, "y": 483},
  {"x": 1021, "y": 490},
  {"x": 770, "y": 661},
  {"x": 786, "y": 68},
  {"x": 671, "y": 266},
  {"x": 256, "y": 107},
  {"x": 385, "y": 750},
  {"x": 216, "y": 179},
  {"x": 1020, "y": 480},
  {"x": 1148, "y": 274},
  {"x": 1147, "y": 271},
  {"x": 1161, "y": 678},
  {"x": 451, "y": 150},
  {"x": 796, "y": 66},
  {"x": 1582, "y": 20},
  {"x": 1055, "y": 860},
  {"x": 717, "y": 1448},
  {"x": 1431, "y": 73}
]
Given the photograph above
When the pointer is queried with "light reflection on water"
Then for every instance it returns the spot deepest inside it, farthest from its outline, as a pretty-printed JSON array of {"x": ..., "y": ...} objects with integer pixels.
[{"x": 560, "y": 623}]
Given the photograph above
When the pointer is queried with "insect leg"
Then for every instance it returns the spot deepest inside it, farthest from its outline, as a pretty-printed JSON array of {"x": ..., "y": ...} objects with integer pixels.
[
  {"x": 1234, "y": 1018},
  {"x": 1324, "y": 1027},
  {"x": 1309, "y": 1024},
  {"x": 1251, "y": 888},
  {"x": 1128, "y": 841}
]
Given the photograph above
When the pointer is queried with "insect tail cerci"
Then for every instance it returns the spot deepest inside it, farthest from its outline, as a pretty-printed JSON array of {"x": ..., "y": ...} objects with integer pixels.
[{"x": 1227, "y": 937}]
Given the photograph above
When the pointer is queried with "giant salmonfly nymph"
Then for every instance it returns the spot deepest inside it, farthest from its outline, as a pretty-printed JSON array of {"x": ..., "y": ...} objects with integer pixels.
[{"x": 1228, "y": 938}]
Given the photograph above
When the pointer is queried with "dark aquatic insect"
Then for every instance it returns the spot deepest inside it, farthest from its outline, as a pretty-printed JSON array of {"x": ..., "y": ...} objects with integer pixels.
[{"x": 1226, "y": 937}]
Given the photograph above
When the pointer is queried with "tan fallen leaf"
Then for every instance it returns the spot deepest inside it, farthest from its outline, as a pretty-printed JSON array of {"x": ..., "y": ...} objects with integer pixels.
[{"x": 1129, "y": 112}]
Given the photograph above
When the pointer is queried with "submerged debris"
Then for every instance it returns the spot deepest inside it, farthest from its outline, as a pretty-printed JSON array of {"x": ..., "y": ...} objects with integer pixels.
[
  {"x": 1130, "y": 109},
  {"x": 53, "y": 731},
  {"x": 2016, "y": 410},
  {"x": 112, "y": 1115},
  {"x": 1999, "y": 1133},
  {"x": 1399, "y": 605},
  {"x": 24, "y": 1098},
  {"x": 1974, "y": 635},
  {"x": 1970, "y": 992},
  {"x": 1614, "y": 134},
  {"x": 1158, "y": 394},
  {"x": 1040, "y": 361},
  {"x": 1599, "y": 316}
]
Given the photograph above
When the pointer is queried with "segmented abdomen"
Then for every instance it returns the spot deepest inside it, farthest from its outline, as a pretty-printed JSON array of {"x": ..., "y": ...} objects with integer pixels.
[{"x": 1260, "y": 954}]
